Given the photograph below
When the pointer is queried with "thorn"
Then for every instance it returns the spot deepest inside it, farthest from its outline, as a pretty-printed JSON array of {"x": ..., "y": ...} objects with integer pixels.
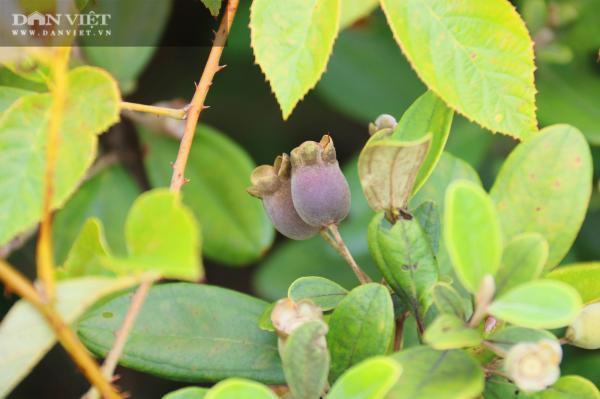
[
  {"x": 205, "y": 106},
  {"x": 115, "y": 378},
  {"x": 125, "y": 395},
  {"x": 195, "y": 85},
  {"x": 186, "y": 180},
  {"x": 172, "y": 164},
  {"x": 221, "y": 67}
]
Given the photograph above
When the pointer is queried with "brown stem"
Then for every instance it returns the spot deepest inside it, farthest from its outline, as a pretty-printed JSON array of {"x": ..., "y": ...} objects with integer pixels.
[
  {"x": 193, "y": 114},
  {"x": 336, "y": 241},
  {"x": 22, "y": 287},
  {"x": 197, "y": 103},
  {"x": 399, "y": 332}
]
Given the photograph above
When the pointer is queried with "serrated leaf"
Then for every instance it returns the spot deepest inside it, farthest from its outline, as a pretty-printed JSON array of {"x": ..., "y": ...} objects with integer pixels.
[
  {"x": 107, "y": 196},
  {"x": 361, "y": 326},
  {"x": 305, "y": 360},
  {"x": 131, "y": 44},
  {"x": 448, "y": 300},
  {"x": 23, "y": 130},
  {"x": 428, "y": 373},
  {"x": 162, "y": 236},
  {"x": 353, "y": 10},
  {"x": 235, "y": 226},
  {"x": 25, "y": 336},
  {"x": 214, "y": 6},
  {"x": 509, "y": 336},
  {"x": 292, "y": 42},
  {"x": 485, "y": 46},
  {"x": 323, "y": 292},
  {"x": 448, "y": 331},
  {"x": 523, "y": 260},
  {"x": 370, "y": 379},
  {"x": 88, "y": 255},
  {"x": 471, "y": 233},
  {"x": 188, "y": 332},
  {"x": 238, "y": 388},
  {"x": 535, "y": 182},
  {"x": 187, "y": 393},
  {"x": 584, "y": 277},
  {"x": 404, "y": 256},
  {"x": 538, "y": 304}
]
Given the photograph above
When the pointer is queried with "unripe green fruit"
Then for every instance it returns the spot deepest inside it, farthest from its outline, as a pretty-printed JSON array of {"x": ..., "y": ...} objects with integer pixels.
[
  {"x": 272, "y": 184},
  {"x": 320, "y": 192},
  {"x": 585, "y": 330}
]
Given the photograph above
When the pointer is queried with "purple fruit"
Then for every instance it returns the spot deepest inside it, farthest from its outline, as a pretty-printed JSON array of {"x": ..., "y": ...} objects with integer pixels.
[
  {"x": 319, "y": 189},
  {"x": 272, "y": 184}
]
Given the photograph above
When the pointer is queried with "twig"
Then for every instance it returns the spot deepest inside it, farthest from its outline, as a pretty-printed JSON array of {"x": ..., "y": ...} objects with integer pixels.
[
  {"x": 22, "y": 287},
  {"x": 195, "y": 108},
  {"x": 197, "y": 103},
  {"x": 399, "y": 334},
  {"x": 153, "y": 109},
  {"x": 58, "y": 89},
  {"x": 336, "y": 241}
]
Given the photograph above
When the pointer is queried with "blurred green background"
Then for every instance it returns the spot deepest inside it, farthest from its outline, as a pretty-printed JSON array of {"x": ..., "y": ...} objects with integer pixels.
[{"x": 366, "y": 76}]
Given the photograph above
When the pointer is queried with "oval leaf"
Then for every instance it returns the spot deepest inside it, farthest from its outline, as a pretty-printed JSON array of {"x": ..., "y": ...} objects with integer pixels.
[
  {"x": 428, "y": 373},
  {"x": 292, "y": 42},
  {"x": 449, "y": 332},
  {"x": 584, "y": 277},
  {"x": 485, "y": 46},
  {"x": 405, "y": 258},
  {"x": 569, "y": 387},
  {"x": 235, "y": 226},
  {"x": 370, "y": 379},
  {"x": 305, "y": 360},
  {"x": 188, "y": 332},
  {"x": 538, "y": 304},
  {"x": 238, "y": 388},
  {"x": 361, "y": 326},
  {"x": 523, "y": 260},
  {"x": 323, "y": 292},
  {"x": 509, "y": 336},
  {"x": 187, "y": 393},
  {"x": 537, "y": 181},
  {"x": 448, "y": 300},
  {"x": 23, "y": 130},
  {"x": 471, "y": 233}
]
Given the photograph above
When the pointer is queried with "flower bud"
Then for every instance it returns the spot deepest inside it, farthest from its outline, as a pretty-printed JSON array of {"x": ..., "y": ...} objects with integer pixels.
[
  {"x": 320, "y": 191},
  {"x": 273, "y": 185},
  {"x": 383, "y": 121},
  {"x": 585, "y": 330},
  {"x": 533, "y": 366}
]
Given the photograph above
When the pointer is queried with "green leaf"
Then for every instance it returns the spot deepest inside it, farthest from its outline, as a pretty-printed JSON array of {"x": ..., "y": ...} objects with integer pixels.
[
  {"x": 237, "y": 388},
  {"x": 306, "y": 361},
  {"x": 353, "y": 10},
  {"x": 361, "y": 326},
  {"x": 523, "y": 260},
  {"x": 404, "y": 256},
  {"x": 292, "y": 42},
  {"x": 189, "y": 332},
  {"x": 187, "y": 393},
  {"x": 427, "y": 214},
  {"x": 484, "y": 46},
  {"x": 499, "y": 388},
  {"x": 323, "y": 292},
  {"x": 450, "y": 332},
  {"x": 584, "y": 277},
  {"x": 162, "y": 236},
  {"x": 472, "y": 233},
  {"x": 538, "y": 304},
  {"x": 235, "y": 226},
  {"x": 569, "y": 387},
  {"x": 131, "y": 44},
  {"x": 509, "y": 336},
  {"x": 448, "y": 301},
  {"x": 89, "y": 255},
  {"x": 370, "y": 379},
  {"x": 264, "y": 322},
  {"x": 214, "y": 6},
  {"x": 23, "y": 130},
  {"x": 544, "y": 186},
  {"x": 8, "y": 95},
  {"x": 314, "y": 257},
  {"x": 107, "y": 196},
  {"x": 25, "y": 336},
  {"x": 428, "y": 373}
]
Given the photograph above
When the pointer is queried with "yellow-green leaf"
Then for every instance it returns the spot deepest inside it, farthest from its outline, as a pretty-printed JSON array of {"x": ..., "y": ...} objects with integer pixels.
[{"x": 584, "y": 277}]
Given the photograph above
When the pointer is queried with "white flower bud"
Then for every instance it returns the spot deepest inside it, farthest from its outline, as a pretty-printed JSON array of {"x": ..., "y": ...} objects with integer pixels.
[
  {"x": 585, "y": 330},
  {"x": 383, "y": 121},
  {"x": 288, "y": 315},
  {"x": 533, "y": 366}
]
